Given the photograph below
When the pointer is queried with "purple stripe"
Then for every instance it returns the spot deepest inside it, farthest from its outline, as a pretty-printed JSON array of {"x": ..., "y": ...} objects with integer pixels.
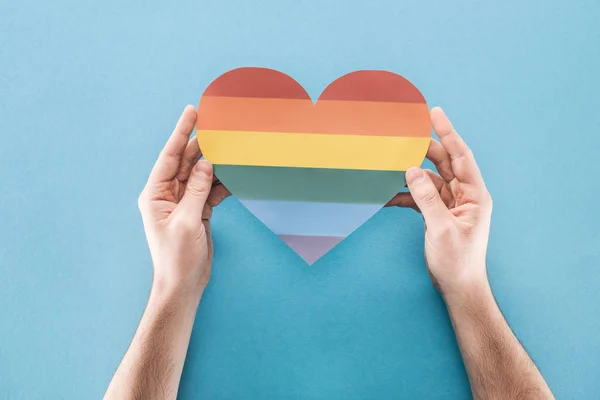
[{"x": 311, "y": 248}]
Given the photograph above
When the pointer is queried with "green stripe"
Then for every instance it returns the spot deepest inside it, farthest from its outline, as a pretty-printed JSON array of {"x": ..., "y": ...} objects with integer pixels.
[{"x": 310, "y": 184}]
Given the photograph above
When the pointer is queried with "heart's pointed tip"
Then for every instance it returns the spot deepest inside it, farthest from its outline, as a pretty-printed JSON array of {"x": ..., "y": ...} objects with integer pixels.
[{"x": 311, "y": 248}]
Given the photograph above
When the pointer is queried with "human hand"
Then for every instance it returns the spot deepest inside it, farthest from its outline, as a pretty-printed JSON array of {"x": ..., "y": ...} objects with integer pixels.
[
  {"x": 457, "y": 209},
  {"x": 176, "y": 206}
]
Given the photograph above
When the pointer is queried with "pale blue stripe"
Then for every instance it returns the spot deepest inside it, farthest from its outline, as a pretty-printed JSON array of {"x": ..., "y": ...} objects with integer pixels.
[{"x": 311, "y": 218}]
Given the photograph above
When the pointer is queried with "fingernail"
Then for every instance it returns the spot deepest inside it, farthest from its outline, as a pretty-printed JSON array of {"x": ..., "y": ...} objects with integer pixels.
[
  {"x": 413, "y": 175},
  {"x": 203, "y": 166}
]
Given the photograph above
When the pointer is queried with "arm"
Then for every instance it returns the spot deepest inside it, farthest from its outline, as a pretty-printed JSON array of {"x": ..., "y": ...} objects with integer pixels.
[
  {"x": 152, "y": 366},
  {"x": 457, "y": 208},
  {"x": 497, "y": 365},
  {"x": 176, "y": 206}
]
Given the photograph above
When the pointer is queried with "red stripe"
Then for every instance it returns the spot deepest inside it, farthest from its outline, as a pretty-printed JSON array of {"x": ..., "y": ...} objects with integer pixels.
[
  {"x": 256, "y": 82},
  {"x": 372, "y": 86}
]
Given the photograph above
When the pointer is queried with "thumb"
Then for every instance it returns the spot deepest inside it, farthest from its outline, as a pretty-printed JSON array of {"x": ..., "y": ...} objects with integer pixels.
[
  {"x": 426, "y": 197},
  {"x": 196, "y": 192}
]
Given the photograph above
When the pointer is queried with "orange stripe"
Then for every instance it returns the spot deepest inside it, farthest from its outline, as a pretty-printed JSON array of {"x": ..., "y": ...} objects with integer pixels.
[{"x": 325, "y": 117}]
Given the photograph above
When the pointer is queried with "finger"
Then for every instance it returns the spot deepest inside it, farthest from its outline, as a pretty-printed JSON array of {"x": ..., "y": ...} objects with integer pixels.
[
  {"x": 405, "y": 200},
  {"x": 167, "y": 165},
  {"x": 191, "y": 155},
  {"x": 207, "y": 211},
  {"x": 197, "y": 190},
  {"x": 442, "y": 187},
  {"x": 441, "y": 159},
  {"x": 206, "y": 223},
  {"x": 426, "y": 196},
  {"x": 217, "y": 194},
  {"x": 437, "y": 180},
  {"x": 463, "y": 163}
]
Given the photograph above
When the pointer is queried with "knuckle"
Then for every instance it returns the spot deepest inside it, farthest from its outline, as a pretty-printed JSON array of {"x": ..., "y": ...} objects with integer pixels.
[
  {"x": 462, "y": 154},
  {"x": 469, "y": 153},
  {"x": 142, "y": 201},
  {"x": 486, "y": 199},
  {"x": 446, "y": 227},
  {"x": 466, "y": 230},
  {"x": 184, "y": 227},
  {"x": 445, "y": 166},
  {"x": 198, "y": 189},
  {"x": 443, "y": 230},
  {"x": 427, "y": 197}
]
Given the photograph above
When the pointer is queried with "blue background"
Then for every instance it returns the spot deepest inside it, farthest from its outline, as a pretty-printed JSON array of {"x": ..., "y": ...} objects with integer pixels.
[{"x": 89, "y": 92}]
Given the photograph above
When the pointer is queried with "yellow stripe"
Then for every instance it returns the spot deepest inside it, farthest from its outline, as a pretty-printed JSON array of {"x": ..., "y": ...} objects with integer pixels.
[{"x": 382, "y": 153}]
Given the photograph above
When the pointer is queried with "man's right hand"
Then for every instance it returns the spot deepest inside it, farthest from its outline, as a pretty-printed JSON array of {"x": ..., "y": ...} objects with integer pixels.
[{"x": 456, "y": 207}]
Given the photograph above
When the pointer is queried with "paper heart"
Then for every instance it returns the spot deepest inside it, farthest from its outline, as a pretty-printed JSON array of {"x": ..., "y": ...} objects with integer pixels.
[{"x": 312, "y": 173}]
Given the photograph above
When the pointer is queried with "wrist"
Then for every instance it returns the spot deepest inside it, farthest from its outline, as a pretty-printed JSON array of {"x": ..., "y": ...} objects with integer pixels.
[
  {"x": 175, "y": 292},
  {"x": 467, "y": 290}
]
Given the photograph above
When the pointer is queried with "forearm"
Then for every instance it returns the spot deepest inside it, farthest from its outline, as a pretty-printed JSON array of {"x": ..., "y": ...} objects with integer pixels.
[
  {"x": 152, "y": 366},
  {"x": 497, "y": 365}
]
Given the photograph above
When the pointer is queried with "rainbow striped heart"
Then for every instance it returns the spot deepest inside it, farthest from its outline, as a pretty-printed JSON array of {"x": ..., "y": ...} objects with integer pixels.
[{"x": 312, "y": 173}]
